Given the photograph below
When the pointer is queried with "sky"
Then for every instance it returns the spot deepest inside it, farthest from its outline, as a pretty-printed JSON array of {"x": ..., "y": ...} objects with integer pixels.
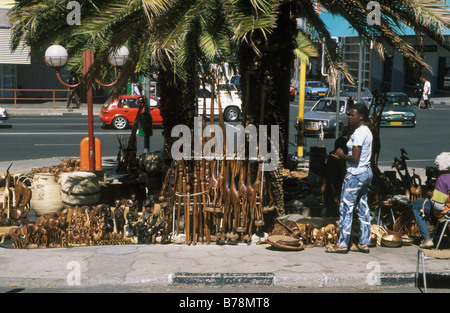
[{"x": 339, "y": 27}]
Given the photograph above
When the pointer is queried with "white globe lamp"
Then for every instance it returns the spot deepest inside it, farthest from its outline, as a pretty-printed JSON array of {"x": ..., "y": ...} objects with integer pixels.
[
  {"x": 56, "y": 56},
  {"x": 119, "y": 57}
]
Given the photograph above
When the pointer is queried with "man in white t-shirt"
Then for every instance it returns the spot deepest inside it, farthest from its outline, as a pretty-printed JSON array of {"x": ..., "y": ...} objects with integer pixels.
[
  {"x": 426, "y": 95},
  {"x": 356, "y": 182}
]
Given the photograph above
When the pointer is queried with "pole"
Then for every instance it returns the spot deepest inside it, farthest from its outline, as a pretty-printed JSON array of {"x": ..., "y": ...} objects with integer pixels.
[
  {"x": 88, "y": 60},
  {"x": 338, "y": 98},
  {"x": 301, "y": 109},
  {"x": 338, "y": 104},
  {"x": 358, "y": 97}
]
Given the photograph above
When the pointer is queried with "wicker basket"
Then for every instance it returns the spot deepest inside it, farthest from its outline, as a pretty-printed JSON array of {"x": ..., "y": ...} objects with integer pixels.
[{"x": 46, "y": 194}]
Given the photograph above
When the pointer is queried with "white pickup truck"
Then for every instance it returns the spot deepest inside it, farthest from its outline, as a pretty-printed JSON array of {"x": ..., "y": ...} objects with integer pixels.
[{"x": 229, "y": 100}]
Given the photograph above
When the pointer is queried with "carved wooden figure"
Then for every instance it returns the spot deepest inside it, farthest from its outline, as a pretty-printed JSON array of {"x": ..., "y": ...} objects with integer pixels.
[
  {"x": 7, "y": 195},
  {"x": 22, "y": 194}
]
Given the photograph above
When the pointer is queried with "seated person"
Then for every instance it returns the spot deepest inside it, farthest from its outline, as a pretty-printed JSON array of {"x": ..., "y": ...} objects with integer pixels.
[{"x": 438, "y": 203}]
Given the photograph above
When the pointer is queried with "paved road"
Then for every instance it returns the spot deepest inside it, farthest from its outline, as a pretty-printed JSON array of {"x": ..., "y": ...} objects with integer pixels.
[
  {"x": 60, "y": 136},
  {"x": 422, "y": 143},
  {"x": 33, "y": 137}
]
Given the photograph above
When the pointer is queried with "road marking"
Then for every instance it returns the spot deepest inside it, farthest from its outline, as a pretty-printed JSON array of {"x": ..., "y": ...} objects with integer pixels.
[
  {"x": 418, "y": 160},
  {"x": 52, "y": 124},
  {"x": 71, "y": 133},
  {"x": 55, "y": 144}
]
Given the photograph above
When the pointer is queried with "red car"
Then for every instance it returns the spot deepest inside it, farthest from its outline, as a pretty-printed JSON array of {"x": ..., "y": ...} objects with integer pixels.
[{"x": 122, "y": 111}]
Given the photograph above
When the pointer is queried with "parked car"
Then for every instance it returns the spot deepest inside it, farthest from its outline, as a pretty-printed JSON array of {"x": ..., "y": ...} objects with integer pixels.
[
  {"x": 352, "y": 91},
  {"x": 121, "y": 112},
  {"x": 228, "y": 89},
  {"x": 231, "y": 105},
  {"x": 322, "y": 117},
  {"x": 4, "y": 116},
  {"x": 315, "y": 90},
  {"x": 398, "y": 111}
]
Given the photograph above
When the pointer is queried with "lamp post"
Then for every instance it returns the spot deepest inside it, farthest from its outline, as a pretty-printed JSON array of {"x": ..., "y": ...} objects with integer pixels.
[{"x": 57, "y": 57}]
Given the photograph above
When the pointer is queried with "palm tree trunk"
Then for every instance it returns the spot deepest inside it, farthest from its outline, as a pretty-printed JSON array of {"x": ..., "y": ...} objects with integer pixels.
[
  {"x": 265, "y": 87},
  {"x": 177, "y": 106}
]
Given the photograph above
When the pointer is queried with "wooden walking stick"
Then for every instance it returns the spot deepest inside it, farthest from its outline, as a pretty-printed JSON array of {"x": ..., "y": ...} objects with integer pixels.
[
  {"x": 195, "y": 209},
  {"x": 221, "y": 178},
  {"x": 179, "y": 192},
  {"x": 202, "y": 198},
  {"x": 242, "y": 190},
  {"x": 234, "y": 199},
  {"x": 226, "y": 195},
  {"x": 206, "y": 215},
  {"x": 257, "y": 185},
  {"x": 212, "y": 188},
  {"x": 187, "y": 217},
  {"x": 219, "y": 210},
  {"x": 251, "y": 195},
  {"x": 183, "y": 193}
]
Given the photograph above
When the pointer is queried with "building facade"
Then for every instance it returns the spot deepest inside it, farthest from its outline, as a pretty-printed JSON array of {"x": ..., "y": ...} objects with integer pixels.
[{"x": 391, "y": 70}]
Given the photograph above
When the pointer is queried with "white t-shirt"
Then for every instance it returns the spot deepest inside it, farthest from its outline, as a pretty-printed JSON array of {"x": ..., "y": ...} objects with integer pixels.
[
  {"x": 136, "y": 90},
  {"x": 427, "y": 88},
  {"x": 362, "y": 136}
]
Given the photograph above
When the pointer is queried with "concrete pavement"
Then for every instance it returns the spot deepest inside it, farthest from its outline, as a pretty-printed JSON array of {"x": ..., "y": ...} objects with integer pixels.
[
  {"x": 215, "y": 265},
  {"x": 47, "y": 108}
]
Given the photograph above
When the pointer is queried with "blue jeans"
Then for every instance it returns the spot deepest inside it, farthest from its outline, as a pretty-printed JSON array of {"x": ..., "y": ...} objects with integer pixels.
[
  {"x": 422, "y": 221},
  {"x": 354, "y": 196}
]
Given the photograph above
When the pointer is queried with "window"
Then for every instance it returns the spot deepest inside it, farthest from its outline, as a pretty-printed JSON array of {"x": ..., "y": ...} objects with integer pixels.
[
  {"x": 130, "y": 103},
  {"x": 328, "y": 106}
]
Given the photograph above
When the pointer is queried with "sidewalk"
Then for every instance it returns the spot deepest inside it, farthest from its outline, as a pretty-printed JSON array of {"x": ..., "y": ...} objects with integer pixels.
[
  {"x": 216, "y": 265},
  {"x": 172, "y": 264},
  {"x": 59, "y": 107},
  {"x": 47, "y": 108}
]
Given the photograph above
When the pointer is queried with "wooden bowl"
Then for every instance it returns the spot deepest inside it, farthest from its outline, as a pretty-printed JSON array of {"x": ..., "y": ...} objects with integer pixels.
[{"x": 392, "y": 241}]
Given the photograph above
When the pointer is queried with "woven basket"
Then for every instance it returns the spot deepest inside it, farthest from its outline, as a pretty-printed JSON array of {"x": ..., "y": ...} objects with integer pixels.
[
  {"x": 283, "y": 242},
  {"x": 45, "y": 194}
]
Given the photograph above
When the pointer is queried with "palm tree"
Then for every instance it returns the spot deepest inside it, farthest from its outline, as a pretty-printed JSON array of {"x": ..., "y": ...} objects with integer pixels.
[
  {"x": 182, "y": 37},
  {"x": 175, "y": 38},
  {"x": 266, "y": 31}
]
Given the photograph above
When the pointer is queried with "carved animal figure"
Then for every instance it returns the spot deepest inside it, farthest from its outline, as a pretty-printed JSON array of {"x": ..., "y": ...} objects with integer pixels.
[
  {"x": 7, "y": 195},
  {"x": 22, "y": 194}
]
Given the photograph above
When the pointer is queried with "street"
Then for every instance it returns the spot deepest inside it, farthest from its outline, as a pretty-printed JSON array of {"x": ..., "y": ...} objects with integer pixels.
[
  {"x": 32, "y": 137},
  {"x": 422, "y": 143}
]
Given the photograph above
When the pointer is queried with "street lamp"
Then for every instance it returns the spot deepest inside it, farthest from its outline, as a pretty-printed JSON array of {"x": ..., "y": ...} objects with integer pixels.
[{"x": 57, "y": 57}]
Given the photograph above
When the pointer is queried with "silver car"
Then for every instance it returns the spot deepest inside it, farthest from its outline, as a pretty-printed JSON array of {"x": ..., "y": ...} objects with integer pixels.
[
  {"x": 321, "y": 119},
  {"x": 352, "y": 91}
]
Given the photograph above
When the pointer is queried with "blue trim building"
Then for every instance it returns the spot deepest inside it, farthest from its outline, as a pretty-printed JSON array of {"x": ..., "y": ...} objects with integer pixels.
[{"x": 393, "y": 72}]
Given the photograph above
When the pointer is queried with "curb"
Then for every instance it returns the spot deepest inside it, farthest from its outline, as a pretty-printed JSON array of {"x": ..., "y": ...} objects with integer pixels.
[
  {"x": 62, "y": 114},
  {"x": 221, "y": 279}
]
